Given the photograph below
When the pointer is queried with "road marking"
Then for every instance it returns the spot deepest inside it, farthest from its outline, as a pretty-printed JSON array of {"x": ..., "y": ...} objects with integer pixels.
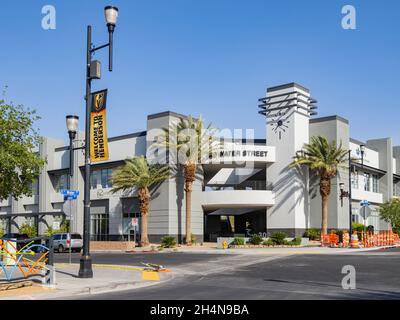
[
  {"x": 117, "y": 267},
  {"x": 150, "y": 276}
]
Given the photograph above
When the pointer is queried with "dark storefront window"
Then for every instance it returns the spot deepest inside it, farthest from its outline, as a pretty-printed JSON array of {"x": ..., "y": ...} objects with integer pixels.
[
  {"x": 99, "y": 227},
  {"x": 99, "y": 220},
  {"x": 130, "y": 209}
]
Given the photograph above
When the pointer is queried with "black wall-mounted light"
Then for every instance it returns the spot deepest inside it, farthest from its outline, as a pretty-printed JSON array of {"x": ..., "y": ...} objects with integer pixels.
[{"x": 343, "y": 194}]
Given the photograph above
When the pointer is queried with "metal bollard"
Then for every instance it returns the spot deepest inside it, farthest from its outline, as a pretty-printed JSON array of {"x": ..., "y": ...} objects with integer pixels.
[{"x": 51, "y": 279}]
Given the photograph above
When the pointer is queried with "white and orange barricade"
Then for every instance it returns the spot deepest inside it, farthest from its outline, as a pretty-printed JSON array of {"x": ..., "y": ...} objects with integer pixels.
[
  {"x": 345, "y": 239},
  {"x": 333, "y": 240},
  {"x": 391, "y": 237},
  {"x": 354, "y": 240},
  {"x": 396, "y": 238}
]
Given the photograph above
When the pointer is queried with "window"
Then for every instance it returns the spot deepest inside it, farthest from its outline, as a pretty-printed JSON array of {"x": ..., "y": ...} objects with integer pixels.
[
  {"x": 61, "y": 182},
  {"x": 35, "y": 187},
  {"x": 101, "y": 178},
  {"x": 354, "y": 179},
  {"x": 367, "y": 183},
  {"x": 375, "y": 180}
]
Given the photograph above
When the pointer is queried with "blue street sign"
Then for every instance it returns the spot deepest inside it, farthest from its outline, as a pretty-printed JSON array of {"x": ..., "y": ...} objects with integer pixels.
[
  {"x": 364, "y": 203},
  {"x": 66, "y": 192},
  {"x": 72, "y": 197}
]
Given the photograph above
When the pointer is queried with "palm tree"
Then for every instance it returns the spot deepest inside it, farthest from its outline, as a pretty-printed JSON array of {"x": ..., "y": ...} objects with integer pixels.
[
  {"x": 323, "y": 159},
  {"x": 137, "y": 173},
  {"x": 191, "y": 144}
]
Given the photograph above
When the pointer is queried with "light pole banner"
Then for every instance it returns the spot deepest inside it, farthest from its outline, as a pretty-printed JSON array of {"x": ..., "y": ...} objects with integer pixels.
[{"x": 98, "y": 128}]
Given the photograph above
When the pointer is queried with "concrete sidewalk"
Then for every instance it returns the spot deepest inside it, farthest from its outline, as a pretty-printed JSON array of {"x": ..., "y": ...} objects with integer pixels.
[{"x": 106, "y": 278}]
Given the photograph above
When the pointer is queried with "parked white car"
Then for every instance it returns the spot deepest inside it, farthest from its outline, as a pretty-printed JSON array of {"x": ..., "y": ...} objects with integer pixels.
[{"x": 64, "y": 241}]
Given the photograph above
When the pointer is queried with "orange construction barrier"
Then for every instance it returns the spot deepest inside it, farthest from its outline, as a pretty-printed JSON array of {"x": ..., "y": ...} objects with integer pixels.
[
  {"x": 345, "y": 242},
  {"x": 354, "y": 240},
  {"x": 396, "y": 238},
  {"x": 333, "y": 240},
  {"x": 325, "y": 239}
]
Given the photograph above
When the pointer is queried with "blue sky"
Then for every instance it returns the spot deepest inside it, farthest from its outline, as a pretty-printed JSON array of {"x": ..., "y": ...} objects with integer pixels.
[{"x": 208, "y": 57}]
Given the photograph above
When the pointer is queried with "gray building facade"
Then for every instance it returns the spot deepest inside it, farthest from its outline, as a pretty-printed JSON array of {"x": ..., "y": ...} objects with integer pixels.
[{"x": 248, "y": 189}]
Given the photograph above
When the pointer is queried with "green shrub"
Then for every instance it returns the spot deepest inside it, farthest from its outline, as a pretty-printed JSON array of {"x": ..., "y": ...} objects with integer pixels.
[
  {"x": 268, "y": 242},
  {"x": 168, "y": 242},
  {"x": 279, "y": 238},
  {"x": 359, "y": 227},
  {"x": 193, "y": 238},
  {"x": 29, "y": 230},
  {"x": 256, "y": 239},
  {"x": 238, "y": 241},
  {"x": 296, "y": 241},
  {"x": 64, "y": 228},
  {"x": 312, "y": 234}
]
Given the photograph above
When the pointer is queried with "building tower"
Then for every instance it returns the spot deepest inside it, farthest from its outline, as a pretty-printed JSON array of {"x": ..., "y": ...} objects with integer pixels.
[{"x": 287, "y": 109}]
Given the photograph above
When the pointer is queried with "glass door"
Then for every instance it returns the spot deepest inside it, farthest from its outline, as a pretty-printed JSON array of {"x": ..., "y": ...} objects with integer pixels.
[{"x": 99, "y": 227}]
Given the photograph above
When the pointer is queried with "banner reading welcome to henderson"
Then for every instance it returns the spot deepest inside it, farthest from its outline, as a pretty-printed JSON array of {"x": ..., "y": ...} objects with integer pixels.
[{"x": 98, "y": 129}]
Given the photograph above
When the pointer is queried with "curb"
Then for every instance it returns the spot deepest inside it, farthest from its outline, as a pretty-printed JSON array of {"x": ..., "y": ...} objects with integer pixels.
[
  {"x": 59, "y": 294},
  {"x": 112, "y": 287}
]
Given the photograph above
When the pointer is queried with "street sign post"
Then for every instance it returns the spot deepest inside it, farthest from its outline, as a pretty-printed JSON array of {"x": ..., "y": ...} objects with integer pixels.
[
  {"x": 364, "y": 205},
  {"x": 135, "y": 224}
]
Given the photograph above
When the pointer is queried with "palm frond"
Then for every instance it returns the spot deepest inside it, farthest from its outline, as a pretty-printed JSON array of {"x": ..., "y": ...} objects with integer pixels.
[
  {"x": 321, "y": 156},
  {"x": 137, "y": 173}
]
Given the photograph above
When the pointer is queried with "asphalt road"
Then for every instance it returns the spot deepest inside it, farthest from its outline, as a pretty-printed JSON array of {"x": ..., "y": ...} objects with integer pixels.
[
  {"x": 223, "y": 277},
  {"x": 168, "y": 259}
]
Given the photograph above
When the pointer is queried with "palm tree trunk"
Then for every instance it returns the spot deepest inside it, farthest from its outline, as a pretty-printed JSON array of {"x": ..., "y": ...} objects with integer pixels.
[
  {"x": 144, "y": 199},
  {"x": 324, "y": 225},
  {"x": 188, "y": 215},
  {"x": 190, "y": 172},
  {"x": 325, "y": 190}
]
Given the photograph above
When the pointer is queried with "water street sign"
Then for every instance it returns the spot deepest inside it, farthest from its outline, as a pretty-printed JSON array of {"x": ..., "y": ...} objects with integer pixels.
[
  {"x": 364, "y": 203},
  {"x": 56, "y": 225},
  {"x": 67, "y": 192}
]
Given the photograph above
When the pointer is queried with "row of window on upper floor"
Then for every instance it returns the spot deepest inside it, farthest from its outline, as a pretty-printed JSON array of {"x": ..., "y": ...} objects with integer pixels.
[
  {"x": 365, "y": 181},
  {"x": 99, "y": 179}
]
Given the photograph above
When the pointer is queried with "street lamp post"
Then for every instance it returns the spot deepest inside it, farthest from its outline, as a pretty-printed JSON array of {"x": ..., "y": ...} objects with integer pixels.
[
  {"x": 362, "y": 151},
  {"x": 343, "y": 193},
  {"x": 111, "y": 14},
  {"x": 72, "y": 127},
  {"x": 349, "y": 195}
]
